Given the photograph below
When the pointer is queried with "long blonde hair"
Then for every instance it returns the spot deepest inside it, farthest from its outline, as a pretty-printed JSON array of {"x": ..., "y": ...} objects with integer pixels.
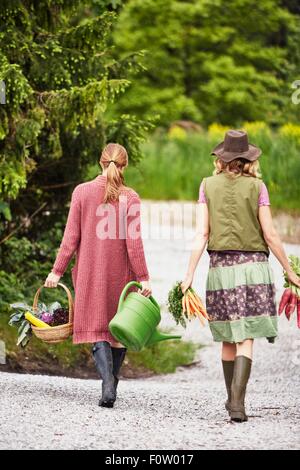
[
  {"x": 114, "y": 159},
  {"x": 237, "y": 167}
]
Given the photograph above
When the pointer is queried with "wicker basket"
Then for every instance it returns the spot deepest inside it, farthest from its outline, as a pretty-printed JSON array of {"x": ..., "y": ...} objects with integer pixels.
[{"x": 55, "y": 334}]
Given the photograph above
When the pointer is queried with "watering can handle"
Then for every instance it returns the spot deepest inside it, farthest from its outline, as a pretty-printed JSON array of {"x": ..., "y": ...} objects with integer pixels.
[{"x": 124, "y": 292}]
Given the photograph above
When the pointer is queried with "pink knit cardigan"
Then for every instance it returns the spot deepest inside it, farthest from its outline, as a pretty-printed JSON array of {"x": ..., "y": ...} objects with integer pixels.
[{"x": 104, "y": 264}]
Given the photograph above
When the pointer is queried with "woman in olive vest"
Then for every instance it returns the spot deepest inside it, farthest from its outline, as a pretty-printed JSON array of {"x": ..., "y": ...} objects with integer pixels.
[{"x": 236, "y": 221}]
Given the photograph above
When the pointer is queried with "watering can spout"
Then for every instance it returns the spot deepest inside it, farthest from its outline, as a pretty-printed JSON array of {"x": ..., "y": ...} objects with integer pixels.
[{"x": 158, "y": 336}]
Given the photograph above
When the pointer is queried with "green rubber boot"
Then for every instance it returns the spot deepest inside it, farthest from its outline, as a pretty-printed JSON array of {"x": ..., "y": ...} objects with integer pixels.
[
  {"x": 241, "y": 374},
  {"x": 228, "y": 368}
]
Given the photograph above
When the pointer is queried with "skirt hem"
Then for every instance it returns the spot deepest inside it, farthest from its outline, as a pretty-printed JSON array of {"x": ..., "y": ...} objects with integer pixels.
[{"x": 237, "y": 331}]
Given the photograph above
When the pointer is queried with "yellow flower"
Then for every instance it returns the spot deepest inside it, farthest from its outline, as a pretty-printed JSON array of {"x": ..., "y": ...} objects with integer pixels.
[
  {"x": 177, "y": 133},
  {"x": 290, "y": 131},
  {"x": 255, "y": 127},
  {"x": 217, "y": 131}
]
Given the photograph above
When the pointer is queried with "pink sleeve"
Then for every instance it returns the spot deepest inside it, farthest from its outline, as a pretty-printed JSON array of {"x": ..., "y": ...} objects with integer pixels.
[
  {"x": 202, "y": 197},
  {"x": 70, "y": 239},
  {"x": 263, "y": 199},
  {"x": 134, "y": 242}
]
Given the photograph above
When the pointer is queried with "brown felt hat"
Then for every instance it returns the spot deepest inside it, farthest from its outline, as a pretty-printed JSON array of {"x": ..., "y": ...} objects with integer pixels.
[{"x": 236, "y": 145}]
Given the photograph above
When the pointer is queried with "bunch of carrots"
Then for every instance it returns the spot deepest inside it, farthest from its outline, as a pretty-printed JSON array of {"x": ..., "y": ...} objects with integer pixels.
[
  {"x": 290, "y": 299},
  {"x": 185, "y": 306},
  {"x": 192, "y": 306}
]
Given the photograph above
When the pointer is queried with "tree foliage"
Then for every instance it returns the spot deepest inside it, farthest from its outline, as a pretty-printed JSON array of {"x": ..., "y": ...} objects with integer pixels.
[
  {"x": 213, "y": 60},
  {"x": 61, "y": 78},
  {"x": 78, "y": 73}
]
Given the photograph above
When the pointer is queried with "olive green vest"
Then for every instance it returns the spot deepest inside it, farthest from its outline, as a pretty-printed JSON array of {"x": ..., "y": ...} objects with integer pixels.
[{"x": 233, "y": 213}]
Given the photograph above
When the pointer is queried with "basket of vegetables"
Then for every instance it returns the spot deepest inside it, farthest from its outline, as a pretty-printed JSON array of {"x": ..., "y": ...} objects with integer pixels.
[
  {"x": 51, "y": 324},
  {"x": 187, "y": 306},
  {"x": 290, "y": 299}
]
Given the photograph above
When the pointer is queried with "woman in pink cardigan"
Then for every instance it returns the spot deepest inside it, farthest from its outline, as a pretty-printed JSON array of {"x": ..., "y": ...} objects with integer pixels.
[{"x": 103, "y": 230}]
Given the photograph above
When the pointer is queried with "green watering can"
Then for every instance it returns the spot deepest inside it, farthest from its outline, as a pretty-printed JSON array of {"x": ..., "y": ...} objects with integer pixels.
[{"x": 135, "y": 322}]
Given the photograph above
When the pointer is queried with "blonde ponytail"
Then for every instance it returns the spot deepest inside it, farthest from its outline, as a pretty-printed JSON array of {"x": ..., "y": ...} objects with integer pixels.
[{"x": 114, "y": 159}]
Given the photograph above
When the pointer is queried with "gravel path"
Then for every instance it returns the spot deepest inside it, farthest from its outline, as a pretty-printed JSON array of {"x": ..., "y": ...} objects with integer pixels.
[{"x": 180, "y": 411}]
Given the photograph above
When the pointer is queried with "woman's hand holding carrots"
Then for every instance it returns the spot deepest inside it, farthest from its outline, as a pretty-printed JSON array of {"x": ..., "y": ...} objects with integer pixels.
[
  {"x": 184, "y": 304},
  {"x": 187, "y": 283}
]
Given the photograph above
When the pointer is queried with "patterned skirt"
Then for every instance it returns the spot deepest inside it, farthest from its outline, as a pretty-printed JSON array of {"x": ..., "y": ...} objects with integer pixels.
[{"x": 240, "y": 296}]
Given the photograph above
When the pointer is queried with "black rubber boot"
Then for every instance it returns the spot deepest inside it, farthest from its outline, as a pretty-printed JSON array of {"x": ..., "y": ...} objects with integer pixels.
[
  {"x": 104, "y": 362},
  {"x": 118, "y": 358},
  {"x": 241, "y": 374},
  {"x": 228, "y": 368}
]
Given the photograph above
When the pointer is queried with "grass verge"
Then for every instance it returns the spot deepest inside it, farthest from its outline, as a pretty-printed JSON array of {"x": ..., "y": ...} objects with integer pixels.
[
  {"x": 165, "y": 357},
  {"x": 71, "y": 360},
  {"x": 173, "y": 166}
]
